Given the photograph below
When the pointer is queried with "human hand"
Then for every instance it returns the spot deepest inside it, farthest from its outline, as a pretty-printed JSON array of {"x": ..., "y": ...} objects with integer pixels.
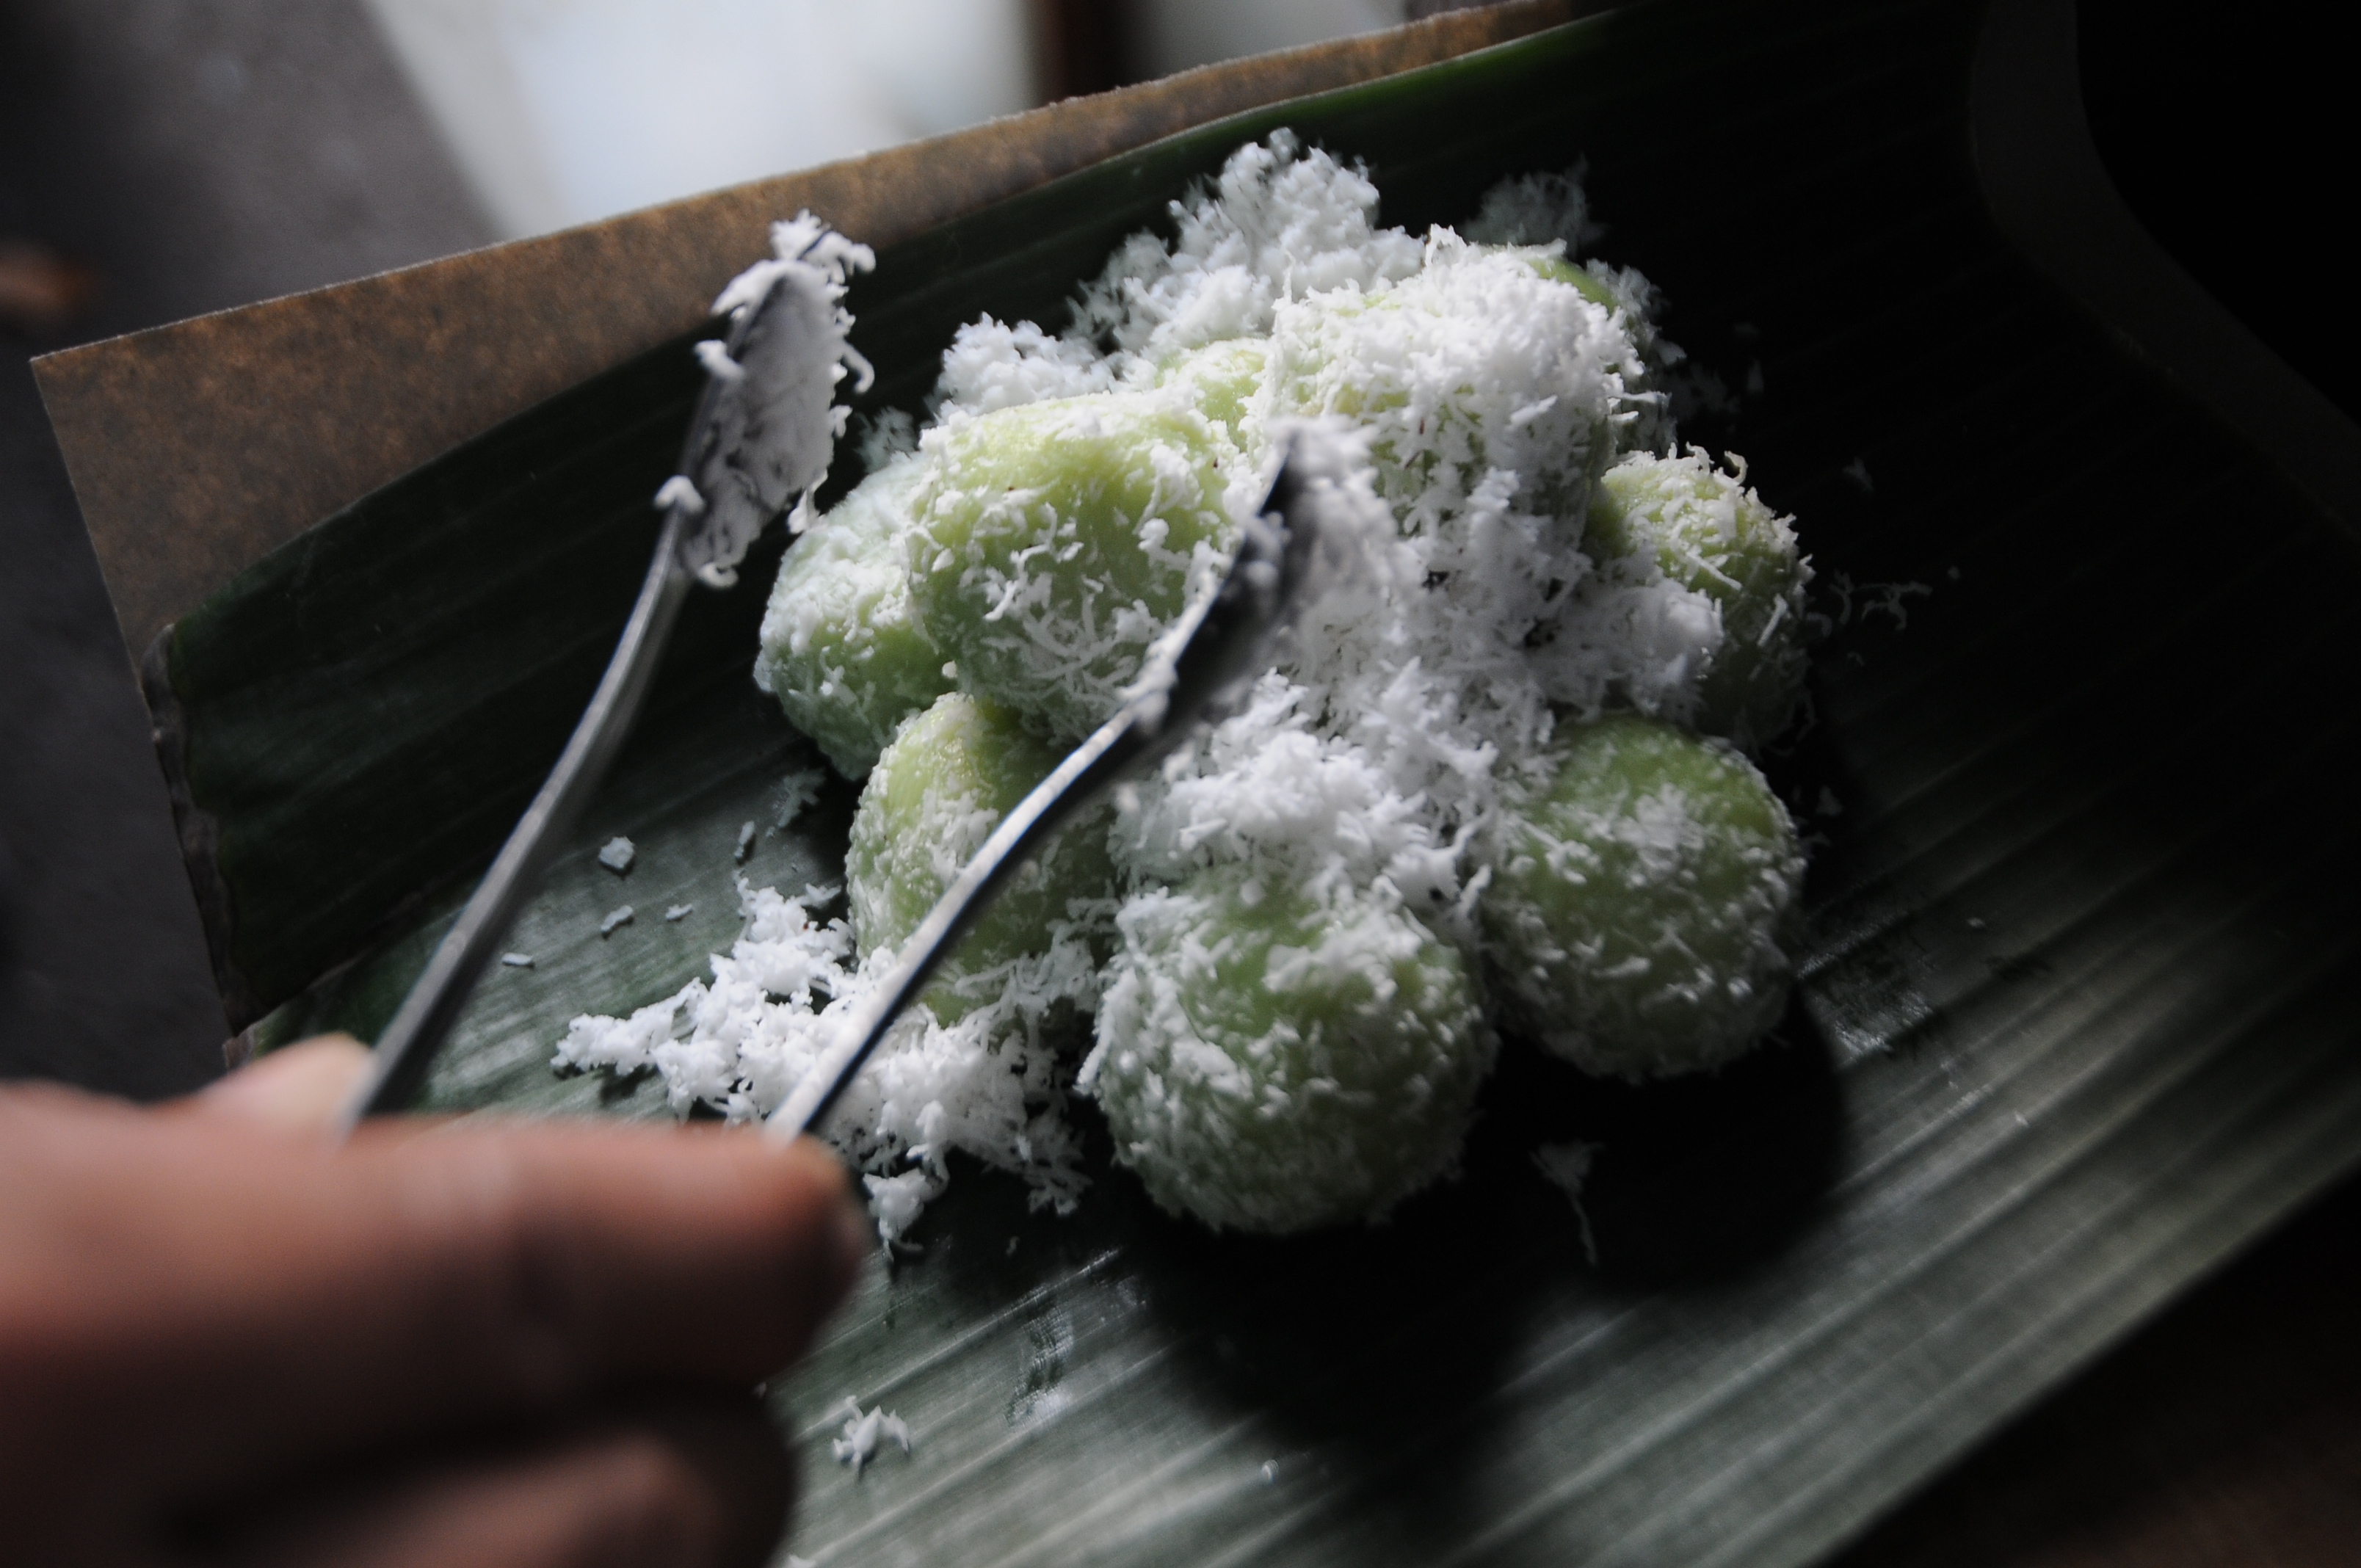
[{"x": 224, "y": 1340}]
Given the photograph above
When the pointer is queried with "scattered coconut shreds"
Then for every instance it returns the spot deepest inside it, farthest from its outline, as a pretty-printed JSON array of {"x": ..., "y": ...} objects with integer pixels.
[
  {"x": 616, "y": 853},
  {"x": 1567, "y": 1166},
  {"x": 615, "y": 918},
  {"x": 1888, "y": 600},
  {"x": 1859, "y": 601},
  {"x": 1371, "y": 755},
  {"x": 988, "y": 1085},
  {"x": 863, "y": 1432},
  {"x": 796, "y": 790},
  {"x": 680, "y": 912},
  {"x": 517, "y": 961}
]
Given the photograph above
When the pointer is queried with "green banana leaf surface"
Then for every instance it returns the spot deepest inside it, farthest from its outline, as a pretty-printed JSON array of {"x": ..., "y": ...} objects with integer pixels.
[{"x": 2071, "y": 1023}]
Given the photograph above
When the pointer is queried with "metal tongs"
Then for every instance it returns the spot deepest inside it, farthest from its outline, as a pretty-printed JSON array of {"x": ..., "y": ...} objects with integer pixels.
[
  {"x": 737, "y": 473},
  {"x": 760, "y": 439}
]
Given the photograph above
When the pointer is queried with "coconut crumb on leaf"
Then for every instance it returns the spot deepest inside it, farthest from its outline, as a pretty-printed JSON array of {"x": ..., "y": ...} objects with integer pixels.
[
  {"x": 865, "y": 1432},
  {"x": 796, "y": 790},
  {"x": 1566, "y": 1167}
]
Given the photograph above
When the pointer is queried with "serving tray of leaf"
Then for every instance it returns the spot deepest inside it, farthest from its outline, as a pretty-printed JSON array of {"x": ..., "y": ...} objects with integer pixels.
[{"x": 2060, "y": 1028}]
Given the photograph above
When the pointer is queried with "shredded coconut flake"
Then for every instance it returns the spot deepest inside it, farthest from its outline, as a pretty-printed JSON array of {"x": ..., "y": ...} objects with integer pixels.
[
  {"x": 865, "y": 1432},
  {"x": 796, "y": 790},
  {"x": 1567, "y": 1167},
  {"x": 616, "y": 853}
]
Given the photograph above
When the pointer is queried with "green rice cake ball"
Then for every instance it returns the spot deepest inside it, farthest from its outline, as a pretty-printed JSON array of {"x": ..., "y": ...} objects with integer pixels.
[
  {"x": 1640, "y": 890},
  {"x": 1057, "y": 539},
  {"x": 1273, "y": 1064},
  {"x": 1479, "y": 365},
  {"x": 1702, "y": 528},
  {"x": 937, "y": 792},
  {"x": 1220, "y": 380},
  {"x": 1645, "y": 423},
  {"x": 841, "y": 649},
  {"x": 1558, "y": 269}
]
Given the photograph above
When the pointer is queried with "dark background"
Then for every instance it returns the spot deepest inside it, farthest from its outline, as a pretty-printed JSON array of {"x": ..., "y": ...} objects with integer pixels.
[
  {"x": 189, "y": 157},
  {"x": 184, "y": 157}
]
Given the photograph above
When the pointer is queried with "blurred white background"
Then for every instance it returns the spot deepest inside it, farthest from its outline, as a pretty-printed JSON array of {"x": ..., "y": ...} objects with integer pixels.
[
  {"x": 561, "y": 112},
  {"x": 565, "y": 111},
  {"x": 1166, "y": 36}
]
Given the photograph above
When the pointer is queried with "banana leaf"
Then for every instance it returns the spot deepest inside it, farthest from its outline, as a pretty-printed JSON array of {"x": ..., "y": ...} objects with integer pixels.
[{"x": 2071, "y": 1022}]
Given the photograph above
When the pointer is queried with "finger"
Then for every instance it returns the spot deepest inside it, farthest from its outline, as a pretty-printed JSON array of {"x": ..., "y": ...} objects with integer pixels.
[
  {"x": 697, "y": 1484},
  {"x": 300, "y": 1088},
  {"x": 201, "y": 1305}
]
